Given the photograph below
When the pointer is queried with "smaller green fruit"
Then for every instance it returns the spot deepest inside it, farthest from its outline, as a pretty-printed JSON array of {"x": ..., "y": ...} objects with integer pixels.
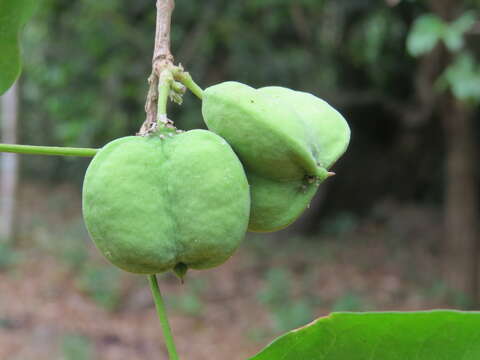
[
  {"x": 277, "y": 204},
  {"x": 287, "y": 140},
  {"x": 330, "y": 132},
  {"x": 271, "y": 139}
]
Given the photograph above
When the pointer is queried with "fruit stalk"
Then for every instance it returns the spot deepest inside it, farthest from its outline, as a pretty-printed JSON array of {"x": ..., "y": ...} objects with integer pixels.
[
  {"x": 162, "y": 60},
  {"x": 162, "y": 316},
  {"x": 164, "y": 87},
  {"x": 185, "y": 78},
  {"x": 47, "y": 150}
]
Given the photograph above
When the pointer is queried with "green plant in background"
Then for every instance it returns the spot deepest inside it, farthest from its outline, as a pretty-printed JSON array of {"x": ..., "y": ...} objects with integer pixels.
[
  {"x": 77, "y": 347},
  {"x": 190, "y": 302},
  {"x": 68, "y": 241},
  {"x": 71, "y": 249},
  {"x": 349, "y": 302},
  {"x": 441, "y": 290},
  {"x": 462, "y": 76},
  {"x": 429, "y": 29},
  {"x": 340, "y": 225},
  {"x": 75, "y": 255},
  {"x": 287, "y": 312},
  {"x": 8, "y": 255},
  {"x": 102, "y": 284}
]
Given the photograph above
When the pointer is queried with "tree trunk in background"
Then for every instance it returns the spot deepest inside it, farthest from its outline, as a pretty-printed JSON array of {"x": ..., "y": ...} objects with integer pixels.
[
  {"x": 8, "y": 163},
  {"x": 461, "y": 250}
]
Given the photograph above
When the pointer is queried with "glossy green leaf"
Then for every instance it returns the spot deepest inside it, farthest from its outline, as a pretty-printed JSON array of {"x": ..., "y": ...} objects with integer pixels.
[
  {"x": 13, "y": 16},
  {"x": 426, "y": 31},
  {"x": 435, "y": 335}
]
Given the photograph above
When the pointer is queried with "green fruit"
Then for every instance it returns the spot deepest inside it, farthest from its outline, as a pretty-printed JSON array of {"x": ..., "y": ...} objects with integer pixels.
[
  {"x": 167, "y": 201},
  {"x": 287, "y": 141},
  {"x": 276, "y": 204},
  {"x": 328, "y": 128}
]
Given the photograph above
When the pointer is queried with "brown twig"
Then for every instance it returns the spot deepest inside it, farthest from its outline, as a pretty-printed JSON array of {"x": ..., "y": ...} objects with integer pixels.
[{"x": 162, "y": 59}]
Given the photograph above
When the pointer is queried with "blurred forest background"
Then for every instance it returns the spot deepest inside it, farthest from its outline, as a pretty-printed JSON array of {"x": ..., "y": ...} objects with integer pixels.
[{"x": 395, "y": 229}]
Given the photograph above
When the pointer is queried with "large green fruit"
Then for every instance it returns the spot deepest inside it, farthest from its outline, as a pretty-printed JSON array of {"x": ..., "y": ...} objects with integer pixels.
[
  {"x": 287, "y": 141},
  {"x": 166, "y": 201}
]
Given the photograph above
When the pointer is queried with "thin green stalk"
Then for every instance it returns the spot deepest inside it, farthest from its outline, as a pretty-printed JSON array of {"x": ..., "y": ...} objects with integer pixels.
[
  {"x": 162, "y": 316},
  {"x": 186, "y": 79},
  {"x": 47, "y": 150},
  {"x": 164, "y": 85}
]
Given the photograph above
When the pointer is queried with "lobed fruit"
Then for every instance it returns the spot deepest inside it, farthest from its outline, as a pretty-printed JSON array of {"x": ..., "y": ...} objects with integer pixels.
[
  {"x": 287, "y": 141},
  {"x": 166, "y": 201}
]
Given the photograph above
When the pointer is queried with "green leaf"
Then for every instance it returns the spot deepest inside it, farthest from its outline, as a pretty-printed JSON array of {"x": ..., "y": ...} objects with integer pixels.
[
  {"x": 426, "y": 31},
  {"x": 463, "y": 78},
  {"x": 435, "y": 335},
  {"x": 453, "y": 39},
  {"x": 13, "y": 16},
  {"x": 453, "y": 36},
  {"x": 465, "y": 22}
]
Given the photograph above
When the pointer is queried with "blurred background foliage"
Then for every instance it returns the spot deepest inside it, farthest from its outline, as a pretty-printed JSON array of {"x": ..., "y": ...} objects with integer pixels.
[
  {"x": 87, "y": 61},
  {"x": 406, "y": 75}
]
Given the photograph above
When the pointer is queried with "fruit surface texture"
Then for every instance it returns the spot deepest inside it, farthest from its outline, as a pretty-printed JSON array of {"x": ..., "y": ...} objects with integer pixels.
[
  {"x": 166, "y": 200},
  {"x": 287, "y": 140}
]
